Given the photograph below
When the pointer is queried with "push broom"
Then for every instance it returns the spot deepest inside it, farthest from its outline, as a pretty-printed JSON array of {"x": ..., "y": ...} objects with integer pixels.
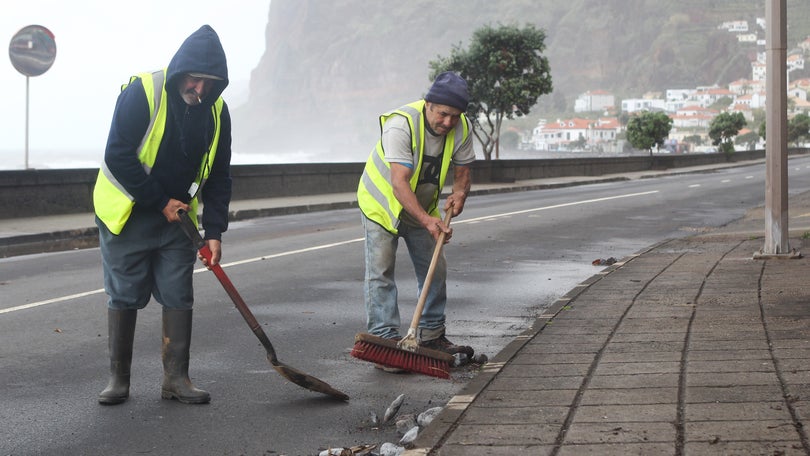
[{"x": 406, "y": 353}]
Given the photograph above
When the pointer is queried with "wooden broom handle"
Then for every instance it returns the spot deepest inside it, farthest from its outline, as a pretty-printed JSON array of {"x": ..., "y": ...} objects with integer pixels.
[{"x": 417, "y": 314}]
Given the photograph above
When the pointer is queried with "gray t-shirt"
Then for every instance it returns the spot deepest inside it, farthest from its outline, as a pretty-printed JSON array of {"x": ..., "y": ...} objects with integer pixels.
[{"x": 396, "y": 142}]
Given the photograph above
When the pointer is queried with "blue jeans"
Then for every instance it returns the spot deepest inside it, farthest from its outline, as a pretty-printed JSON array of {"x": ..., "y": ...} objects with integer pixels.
[
  {"x": 150, "y": 257},
  {"x": 380, "y": 288}
]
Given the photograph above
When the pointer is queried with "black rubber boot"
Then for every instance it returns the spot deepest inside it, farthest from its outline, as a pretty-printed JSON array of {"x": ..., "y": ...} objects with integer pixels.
[
  {"x": 442, "y": 344},
  {"x": 121, "y": 330},
  {"x": 176, "y": 343}
]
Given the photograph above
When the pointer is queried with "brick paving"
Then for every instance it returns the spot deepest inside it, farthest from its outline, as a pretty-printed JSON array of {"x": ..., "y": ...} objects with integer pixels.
[{"x": 690, "y": 347}]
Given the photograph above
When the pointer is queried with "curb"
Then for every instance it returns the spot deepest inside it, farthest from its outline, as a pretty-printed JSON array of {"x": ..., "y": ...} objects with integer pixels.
[
  {"x": 433, "y": 436},
  {"x": 57, "y": 241}
]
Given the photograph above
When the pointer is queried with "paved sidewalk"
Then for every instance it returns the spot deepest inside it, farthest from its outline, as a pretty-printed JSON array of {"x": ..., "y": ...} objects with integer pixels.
[{"x": 690, "y": 347}]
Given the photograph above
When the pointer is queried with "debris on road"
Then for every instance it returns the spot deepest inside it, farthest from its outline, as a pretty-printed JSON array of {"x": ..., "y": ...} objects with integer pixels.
[
  {"x": 604, "y": 262},
  {"x": 389, "y": 449},
  {"x": 392, "y": 409},
  {"x": 409, "y": 437},
  {"x": 359, "y": 450},
  {"x": 408, "y": 425},
  {"x": 405, "y": 423},
  {"x": 427, "y": 416}
]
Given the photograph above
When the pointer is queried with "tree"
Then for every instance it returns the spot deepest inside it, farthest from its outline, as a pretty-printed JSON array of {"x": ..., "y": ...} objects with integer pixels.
[
  {"x": 721, "y": 103},
  {"x": 624, "y": 118},
  {"x": 724, "y": 128},
  {"x": 648, "y": 129},
  {"x": 506, "y": 73},
  {"x": 694, "y": 139},
  {"x": 758, "y": 116},
  {"x": 798, "y": 128},
  {"x": 579, "y": 143},
  {"x": 749, "y": 140}
]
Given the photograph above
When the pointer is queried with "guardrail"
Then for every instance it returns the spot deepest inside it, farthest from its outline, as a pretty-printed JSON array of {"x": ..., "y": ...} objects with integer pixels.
[{"x": 29, "y": 193}]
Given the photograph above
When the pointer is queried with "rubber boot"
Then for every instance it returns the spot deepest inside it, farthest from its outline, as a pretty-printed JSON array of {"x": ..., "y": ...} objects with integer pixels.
[
  {"x": 121, "y": 330},
  {"x": 176, "y": 343}
]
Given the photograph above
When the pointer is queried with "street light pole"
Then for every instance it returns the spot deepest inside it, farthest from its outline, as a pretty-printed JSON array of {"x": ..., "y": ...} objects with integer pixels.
[{"x": 777, "y": 243}]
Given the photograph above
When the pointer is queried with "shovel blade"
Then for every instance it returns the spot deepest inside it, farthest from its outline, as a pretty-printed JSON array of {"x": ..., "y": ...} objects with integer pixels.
[{"x": 307, "y": 381}]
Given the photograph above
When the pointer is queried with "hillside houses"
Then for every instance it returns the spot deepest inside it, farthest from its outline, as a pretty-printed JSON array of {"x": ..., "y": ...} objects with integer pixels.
[
  {"x": 560, "y": 134},
  {"x": 746, "y": 86},
  {"x": 691, "y": 110},
  {"x": 693, "y": 116}
]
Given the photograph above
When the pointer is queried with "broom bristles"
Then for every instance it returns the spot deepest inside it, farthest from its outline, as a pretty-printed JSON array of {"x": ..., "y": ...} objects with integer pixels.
[{"x": 386, "y": 352}]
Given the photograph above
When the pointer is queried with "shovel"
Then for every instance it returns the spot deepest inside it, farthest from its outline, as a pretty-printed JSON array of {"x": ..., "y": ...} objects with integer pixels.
[{"x": 290, "y": 373}]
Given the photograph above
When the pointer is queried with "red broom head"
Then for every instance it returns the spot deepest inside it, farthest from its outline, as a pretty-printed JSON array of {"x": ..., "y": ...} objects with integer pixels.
[{"x": 402, "y": 359}]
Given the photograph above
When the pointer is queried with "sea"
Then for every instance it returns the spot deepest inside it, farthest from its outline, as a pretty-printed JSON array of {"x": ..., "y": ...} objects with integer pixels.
[{"x": 84, "y": 159}]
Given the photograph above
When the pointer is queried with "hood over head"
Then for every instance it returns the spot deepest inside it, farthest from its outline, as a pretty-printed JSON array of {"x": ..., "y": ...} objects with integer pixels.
[{"x": 200, "y": 53}]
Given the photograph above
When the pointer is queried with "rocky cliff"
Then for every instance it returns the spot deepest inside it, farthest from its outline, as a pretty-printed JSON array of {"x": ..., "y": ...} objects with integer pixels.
[{"x": 331, "y": 67}]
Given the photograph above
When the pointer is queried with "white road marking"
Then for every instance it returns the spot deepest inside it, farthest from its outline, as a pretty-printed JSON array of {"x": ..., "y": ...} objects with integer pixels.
[
  {"x": 334, "y": 244},
  {"x": 556, "y": 206},
  {"x": 51, "y": 301}
]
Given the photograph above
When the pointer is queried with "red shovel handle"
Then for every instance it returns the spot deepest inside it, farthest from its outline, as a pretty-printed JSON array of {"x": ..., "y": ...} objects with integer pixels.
[
  {"x": 230, "y": 289},
  {"x": 191, "y": 231}
]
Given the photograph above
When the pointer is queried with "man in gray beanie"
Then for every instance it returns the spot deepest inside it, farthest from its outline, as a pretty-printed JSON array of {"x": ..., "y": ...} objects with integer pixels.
[{"x": 399, "y": 194}]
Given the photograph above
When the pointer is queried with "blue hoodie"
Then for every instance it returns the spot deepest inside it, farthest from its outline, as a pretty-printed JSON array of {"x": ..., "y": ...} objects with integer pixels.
[{"x": 189, "y": 131}]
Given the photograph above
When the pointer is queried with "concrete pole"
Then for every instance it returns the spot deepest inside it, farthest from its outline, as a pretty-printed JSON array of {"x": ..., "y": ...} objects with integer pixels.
[
  {"x": 26, "y": 119},
  {"x": 776, "y": 175}
]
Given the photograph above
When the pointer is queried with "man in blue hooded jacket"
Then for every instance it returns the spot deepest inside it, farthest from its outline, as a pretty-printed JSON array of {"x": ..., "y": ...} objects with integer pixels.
[{"x": 169, "y": 145}]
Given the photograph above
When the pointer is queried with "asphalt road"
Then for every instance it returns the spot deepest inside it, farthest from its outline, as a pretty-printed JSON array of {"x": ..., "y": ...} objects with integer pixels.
[{"x": 511, "y": 256}]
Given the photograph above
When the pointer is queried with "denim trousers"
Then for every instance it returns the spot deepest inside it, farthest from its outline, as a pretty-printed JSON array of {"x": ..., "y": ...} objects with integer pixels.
[
  {"x": 150, "y": 257},
  {"x": 380, "y": 290}
]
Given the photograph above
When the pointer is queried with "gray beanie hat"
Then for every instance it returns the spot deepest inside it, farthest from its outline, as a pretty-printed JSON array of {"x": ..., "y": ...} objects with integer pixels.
[{"x": 449, "y": 89}]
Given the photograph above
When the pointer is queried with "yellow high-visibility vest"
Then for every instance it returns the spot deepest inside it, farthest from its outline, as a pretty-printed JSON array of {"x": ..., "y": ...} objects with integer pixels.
[
  {"x": 113, "y": 203},
  {"x": 375, "y": 194}
]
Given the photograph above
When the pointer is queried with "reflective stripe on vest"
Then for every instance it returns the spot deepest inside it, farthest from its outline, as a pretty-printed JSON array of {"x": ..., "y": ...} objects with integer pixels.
[
  {"x": 375, "y": 194},
  {"x": 113, "y": 203}
]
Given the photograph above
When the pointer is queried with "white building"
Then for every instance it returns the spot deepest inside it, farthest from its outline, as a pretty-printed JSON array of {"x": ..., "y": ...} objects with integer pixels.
[
  {"x": 754, "y": 100},
  {"x": 643, "y": 104},
  {"x": 795, "y": 62},
  {"x": 734, "y": 26},
  {"x": 745, "y": 87},
  {"x": 679, "y": 94},
  {"x": 707, "y": 96},
  {"x": 677, "y": 99},
  {"x": 558, "y": 135},
  {"x": 797, "y": 92},
  {"x": 693, "y": 117},
  {"x": 594, "y": 101},
  {"x": 758, "y": 71},
  {"x": 747, "y": 38}
]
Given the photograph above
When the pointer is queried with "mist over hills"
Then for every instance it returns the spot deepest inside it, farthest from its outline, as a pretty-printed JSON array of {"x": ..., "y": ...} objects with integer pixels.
[{"x": 331, "y": 67}]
